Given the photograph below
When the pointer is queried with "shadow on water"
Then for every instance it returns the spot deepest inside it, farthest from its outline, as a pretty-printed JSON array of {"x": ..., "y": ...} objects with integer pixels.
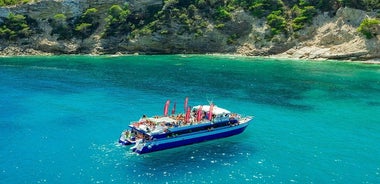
[
  {"x": 277, "y": 100},
  {"x": 70, "y": 121},
  {"x": 183, "y": 164},
  {"x": 372, "y": 103},
  {"x": 206, "y": 155}
]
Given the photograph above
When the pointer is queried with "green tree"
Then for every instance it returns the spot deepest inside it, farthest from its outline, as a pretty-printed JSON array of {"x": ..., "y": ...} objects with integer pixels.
[
  {"x": 83, "y": 28},
  {"x": 61, "y": 27},
  {"x": 13, "y": 2},
  {"x": 358, "y": 4},
  {"x": 87, "y": 23},
  {"x": 117, "y": 20},
  {"x": 15, "y": 26},
  {"x": 277, "y": 22},
  {"x": 371, "y": 4},
  {"x": 90, "y": 16},
  {"x": 258, "y": 8},
  {"x": 302, "y": 16},
  {"x": 262, "y": 8}
]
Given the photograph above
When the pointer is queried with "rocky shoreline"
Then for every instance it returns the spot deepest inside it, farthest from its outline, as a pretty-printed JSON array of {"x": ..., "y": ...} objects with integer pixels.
[
  {"x": 17, "y": 51},
  {"x": 327, "y": 38},
  {"x": 302, "y": 53}
]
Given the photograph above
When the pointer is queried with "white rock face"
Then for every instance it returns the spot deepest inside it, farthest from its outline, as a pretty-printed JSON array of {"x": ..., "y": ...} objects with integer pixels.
[{"x": 337, "y": 38}]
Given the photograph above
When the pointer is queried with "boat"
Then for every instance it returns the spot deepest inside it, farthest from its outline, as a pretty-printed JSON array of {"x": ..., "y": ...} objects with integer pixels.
[{"x": 197, "y": 124}]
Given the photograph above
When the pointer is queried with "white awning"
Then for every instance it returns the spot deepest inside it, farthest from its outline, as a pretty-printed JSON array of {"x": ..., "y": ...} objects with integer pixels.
[{"x": 216, "y": 110}]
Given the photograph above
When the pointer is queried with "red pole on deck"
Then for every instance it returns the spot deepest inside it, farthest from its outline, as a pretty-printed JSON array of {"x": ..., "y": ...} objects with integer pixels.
[
  {"x": 173, "y": 110},
  {"x": 210, "y": 112},
  {"x": 166, "y": 108},
  {"x": 187, "y": 116},
  {"x": 199, "y": 113},
  {"x": 185, "y": 105}
]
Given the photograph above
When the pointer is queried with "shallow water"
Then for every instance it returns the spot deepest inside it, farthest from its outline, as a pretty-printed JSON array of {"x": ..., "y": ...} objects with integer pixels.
[{"x": 315, "y": 122}]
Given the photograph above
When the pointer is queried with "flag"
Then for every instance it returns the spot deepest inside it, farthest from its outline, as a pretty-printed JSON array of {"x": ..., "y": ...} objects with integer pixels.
[
  {"x": 173, "y": 110},
  {"x": 166, "y": 108},
  {"x": 186, "y": 101},
  {"x": 199, "y": 113},
  {"x": 210, "y": 111},
  {"x": 187, "y": 116}
]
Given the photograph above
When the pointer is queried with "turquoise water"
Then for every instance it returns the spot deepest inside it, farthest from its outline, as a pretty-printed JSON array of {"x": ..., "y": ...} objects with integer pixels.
[{"x": 315, "y": 122}]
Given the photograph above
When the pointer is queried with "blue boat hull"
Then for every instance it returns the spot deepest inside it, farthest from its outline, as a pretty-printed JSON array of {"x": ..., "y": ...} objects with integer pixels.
[{"x": 191, "y": 138}]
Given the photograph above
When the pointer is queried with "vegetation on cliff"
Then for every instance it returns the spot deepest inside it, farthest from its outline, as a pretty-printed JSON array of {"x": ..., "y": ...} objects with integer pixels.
[
  {"x": 218, "y": 21},
  {"x": 17, "y": 26},
  {"x": 368, "y": 26},
  {"x": 283, "y": 17},
  {"x": 80, "y": 27},
  {"x": 13, "y": 2},
  {"x": 118, "y": 21}
]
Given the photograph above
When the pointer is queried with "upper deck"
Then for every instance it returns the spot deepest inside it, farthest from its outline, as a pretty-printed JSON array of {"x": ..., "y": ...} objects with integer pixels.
[{"x": 161, "y": 125}]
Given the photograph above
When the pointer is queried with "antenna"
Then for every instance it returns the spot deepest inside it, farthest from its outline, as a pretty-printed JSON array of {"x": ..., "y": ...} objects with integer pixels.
[{"x": 210, "y": 101}]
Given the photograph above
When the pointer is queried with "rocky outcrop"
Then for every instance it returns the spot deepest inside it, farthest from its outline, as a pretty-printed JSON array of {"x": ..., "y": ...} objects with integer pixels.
[
  {"x": 45, "y": 9},
  {"x": 336, "y": 38},
  {"x": 328, "y": 37}
]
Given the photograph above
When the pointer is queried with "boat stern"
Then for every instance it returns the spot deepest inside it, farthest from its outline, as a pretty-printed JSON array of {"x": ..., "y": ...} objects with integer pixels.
[{"x": 126, "y": 138}]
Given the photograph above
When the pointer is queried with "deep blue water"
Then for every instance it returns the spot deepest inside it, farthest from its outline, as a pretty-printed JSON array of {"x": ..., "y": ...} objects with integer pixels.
[{"x": 315, "y": 122}]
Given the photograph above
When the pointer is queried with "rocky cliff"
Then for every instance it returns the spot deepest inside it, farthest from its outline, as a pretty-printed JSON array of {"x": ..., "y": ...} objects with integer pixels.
[
  {"x": 328, "y": 37},
  {"x": 337, "y": 38}
]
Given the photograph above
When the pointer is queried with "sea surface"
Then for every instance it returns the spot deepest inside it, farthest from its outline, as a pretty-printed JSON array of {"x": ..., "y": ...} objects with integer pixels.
[{"x": 315, "y": 121}]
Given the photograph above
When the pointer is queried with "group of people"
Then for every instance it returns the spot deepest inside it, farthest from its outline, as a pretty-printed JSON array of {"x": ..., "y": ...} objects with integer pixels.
[{"x": 156, "y": 124}]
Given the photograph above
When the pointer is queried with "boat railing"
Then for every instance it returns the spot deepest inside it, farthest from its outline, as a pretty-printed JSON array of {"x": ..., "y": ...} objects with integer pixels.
[
  {"x": 151, "y": 127},
  {"x": 220, "y": 119}
]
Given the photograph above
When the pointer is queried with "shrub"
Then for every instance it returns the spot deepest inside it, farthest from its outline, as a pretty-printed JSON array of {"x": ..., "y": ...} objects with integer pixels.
[
  {"x": 115, "y": 11},
  {"x": 60, "y": 17},
  {"x": 192, "y": 9},
  {"x": 83, "y": 27},
  {"x": 13, "y": 2},
  {"x": 183, "y": 18},
  {"x": 223, "y": 14},
  {"x": 232, "y": 39},
  {"x": 201, "y": 3},
  {"x": 257, "y": 9},
  {"x": 198, "y": 32},
  {"x": 368, "y": 27},
  {"x": 164, "y": 32},
  {"x": 219, "y": 26}
]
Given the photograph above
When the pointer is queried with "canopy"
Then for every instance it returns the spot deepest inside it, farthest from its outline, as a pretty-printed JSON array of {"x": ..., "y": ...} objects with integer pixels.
[{"x": 216, "y": 110}]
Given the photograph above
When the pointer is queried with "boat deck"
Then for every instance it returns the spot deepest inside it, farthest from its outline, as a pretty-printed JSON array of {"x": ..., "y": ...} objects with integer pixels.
[{"x": 163, "y": 124}]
